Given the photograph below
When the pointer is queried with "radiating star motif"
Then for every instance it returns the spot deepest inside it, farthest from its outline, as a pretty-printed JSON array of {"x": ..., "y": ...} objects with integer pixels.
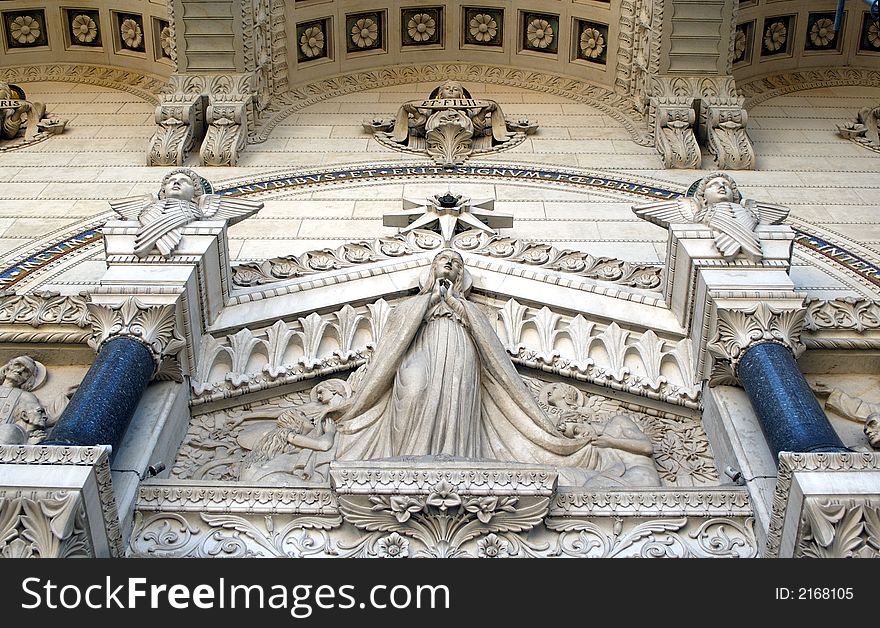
[{"x": 453, "y": 213}]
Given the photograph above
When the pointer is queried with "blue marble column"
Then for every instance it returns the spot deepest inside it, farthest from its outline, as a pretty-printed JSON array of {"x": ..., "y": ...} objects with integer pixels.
[
  {"x": 105, "y": 402},
  {"x": 790, "y": 416}
]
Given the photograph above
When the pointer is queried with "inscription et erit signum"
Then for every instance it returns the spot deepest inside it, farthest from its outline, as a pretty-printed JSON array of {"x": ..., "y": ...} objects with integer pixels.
[{"x": 535, "y": 175}]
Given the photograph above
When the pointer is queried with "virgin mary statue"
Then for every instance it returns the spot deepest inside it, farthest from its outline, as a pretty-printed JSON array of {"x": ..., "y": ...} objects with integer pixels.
[{"x": 440, "y": 382}]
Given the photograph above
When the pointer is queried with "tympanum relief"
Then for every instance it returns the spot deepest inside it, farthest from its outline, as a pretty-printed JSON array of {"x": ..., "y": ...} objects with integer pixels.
[
  {"x": 440, "y": 382},
  {"x": 450, "y": 126}
]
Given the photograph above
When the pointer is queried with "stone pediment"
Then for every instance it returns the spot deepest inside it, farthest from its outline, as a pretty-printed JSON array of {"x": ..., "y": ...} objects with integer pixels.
[{"x": 561, "y": 311}]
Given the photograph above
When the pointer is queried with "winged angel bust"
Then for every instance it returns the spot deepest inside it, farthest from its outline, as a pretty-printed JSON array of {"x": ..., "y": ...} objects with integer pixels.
[
  {"x": 718, "y": 204},
  {"x": 183, "y": 197}
]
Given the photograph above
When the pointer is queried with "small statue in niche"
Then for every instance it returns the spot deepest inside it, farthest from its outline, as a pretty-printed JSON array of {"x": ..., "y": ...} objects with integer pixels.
[
  {"x": 718, "y": 204},
  {"x": 16, "y": 110},
  {"x": 183, "y": 197},
  {"x": 450, "y": 126},
  {"x": 853, "y": 409},
  {"x": 23, "y": 419},
  {"x": 622, "y": 449},
  {"x": 301, "y": 445}
]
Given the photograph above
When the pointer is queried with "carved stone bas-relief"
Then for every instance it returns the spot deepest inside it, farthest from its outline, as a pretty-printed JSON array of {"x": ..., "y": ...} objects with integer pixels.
[
  {"x": 184, "y": 197},
  {"x": 300, "y": 445},
  {"x": 854, "y": 409},
  {"x": 23, "y": 419},
  {"x": 864, "y": 130},
  {"x": 23, "y": 122},
  {"x": 718, "y": 204},
  {"x": 450, "y": 126}
]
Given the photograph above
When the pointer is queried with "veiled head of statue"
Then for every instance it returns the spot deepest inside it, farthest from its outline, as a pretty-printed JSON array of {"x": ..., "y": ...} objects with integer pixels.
[
  {"x": 717, "y": 188},
  {"x": 449, "y": 265},
  {"x": 450, "y": 89}
]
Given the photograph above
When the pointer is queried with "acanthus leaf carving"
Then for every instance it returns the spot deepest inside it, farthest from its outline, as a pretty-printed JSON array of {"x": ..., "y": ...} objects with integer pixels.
[
  {"x": 44, "y": 524},
  {"x": 726, "y": 136},
  {"x": 44, "y": 308},
  {"x": 738, "y": 330},
  {"x": 674, "y": 133},
  {"x": 154, "y": 326}
]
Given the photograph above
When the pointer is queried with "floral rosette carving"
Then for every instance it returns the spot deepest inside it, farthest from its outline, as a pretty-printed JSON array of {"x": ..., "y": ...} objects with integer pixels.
[
  {"x": 443, "y": 520},
  {"x": 364, "y": 33},
  {"x": 822, "y": 32},
  {"x": 131, "y": 33},
  {"x": 539, "y": 33},
  {"x": 592, "y": 43},
  {"x": 312, "y": 42},
  {"x": 25, "y": 29},
  {"x": 483, "y": 27},
  {"x": 421, "y": 27},
  {"x": 775, "y": 36},
  {"x": 84, "y": 29}
]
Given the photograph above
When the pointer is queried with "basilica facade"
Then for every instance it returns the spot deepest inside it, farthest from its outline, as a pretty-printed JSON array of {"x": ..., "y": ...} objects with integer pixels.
[{"x": 337, "y": 278}]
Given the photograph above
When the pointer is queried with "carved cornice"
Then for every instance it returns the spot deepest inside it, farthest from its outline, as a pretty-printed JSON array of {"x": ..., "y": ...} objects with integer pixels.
[
  {"x": 420, "y": 475},
  {"x": 95, "y": 457},
  {"x": 848, "y": 313},
  {"x": 832, "y": 514},
  {"x": 154, "y": 326},
  {"x": 43, "y": 308},
  {"x": 614, "y": 105},
  {"x": 196, "y": 497},
  {"x": 738, "y": 330},
  {"x": 763, "y": 88},
  {"x": 656, "y": 503},
  {"x": 474, "y": 241},
  {"x": 142, "y": 85}
]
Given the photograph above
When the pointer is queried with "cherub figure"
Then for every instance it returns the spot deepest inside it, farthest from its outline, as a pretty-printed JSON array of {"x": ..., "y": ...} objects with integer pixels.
[
  {"x": 183, "y": 197},
  {"x": 718, "y": 204}
]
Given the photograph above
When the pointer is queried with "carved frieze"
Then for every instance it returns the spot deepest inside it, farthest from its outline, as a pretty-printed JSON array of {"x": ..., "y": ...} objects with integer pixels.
[
  {"x": 473, "y": 241},
  {"x": 39, "y": 308},
  {"x": 433, "y": 514},
  {"x": 317, "y": 345}
]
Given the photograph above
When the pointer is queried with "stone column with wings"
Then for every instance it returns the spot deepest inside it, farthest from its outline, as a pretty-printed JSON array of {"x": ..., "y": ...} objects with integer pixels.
[
  {"x": 184, "y": 197},
  {"x": 718, "y": 204}
]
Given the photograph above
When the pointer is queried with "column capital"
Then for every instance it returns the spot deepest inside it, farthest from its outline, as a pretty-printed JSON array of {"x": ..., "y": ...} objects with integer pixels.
[
  {"x": 154, "y": 326},
  {"x": 737, "y": 330}
]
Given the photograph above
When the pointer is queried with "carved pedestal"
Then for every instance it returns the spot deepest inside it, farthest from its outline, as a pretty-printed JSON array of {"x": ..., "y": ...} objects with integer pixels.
[
  {"x": 827, "y": 505},
  {"x": 57, "y": 502}
]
